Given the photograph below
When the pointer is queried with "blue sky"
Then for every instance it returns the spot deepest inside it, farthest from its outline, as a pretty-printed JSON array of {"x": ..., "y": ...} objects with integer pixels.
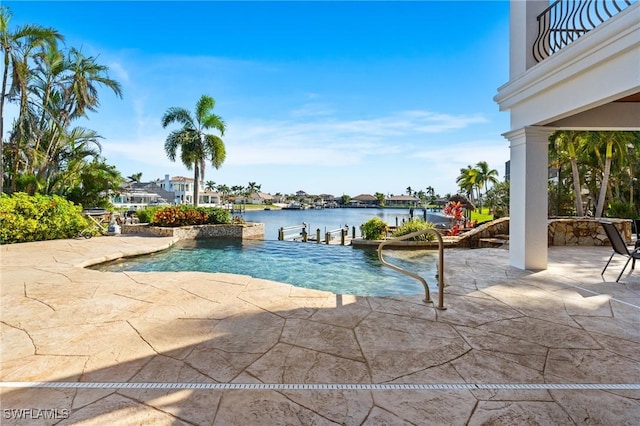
[{"x": 325, "y": 97}]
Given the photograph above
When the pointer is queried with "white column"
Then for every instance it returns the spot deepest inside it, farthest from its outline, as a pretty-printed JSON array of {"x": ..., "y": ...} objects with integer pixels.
[
  {"x": 528, "y": 223},
  {"x": 523, "y": 33}
]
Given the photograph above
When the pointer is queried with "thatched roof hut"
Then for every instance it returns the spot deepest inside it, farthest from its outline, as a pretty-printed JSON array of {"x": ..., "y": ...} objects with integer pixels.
[{"x": 462, "y": 199}]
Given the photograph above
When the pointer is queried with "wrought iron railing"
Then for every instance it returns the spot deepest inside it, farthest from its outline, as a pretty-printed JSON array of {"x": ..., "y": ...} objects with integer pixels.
[{"x": 564, "y": 21}]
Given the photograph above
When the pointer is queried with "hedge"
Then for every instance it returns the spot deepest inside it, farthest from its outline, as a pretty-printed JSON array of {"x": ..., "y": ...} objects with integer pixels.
[{"x": 25, "y": 218}]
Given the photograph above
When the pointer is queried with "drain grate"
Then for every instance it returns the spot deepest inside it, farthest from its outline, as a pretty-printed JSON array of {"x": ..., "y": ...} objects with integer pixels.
[{"x": 318, "y": 386}]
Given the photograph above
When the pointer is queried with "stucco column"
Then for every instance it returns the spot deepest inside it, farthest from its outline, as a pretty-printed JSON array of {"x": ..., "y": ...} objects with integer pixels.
[{"x": 528, "y": 223}]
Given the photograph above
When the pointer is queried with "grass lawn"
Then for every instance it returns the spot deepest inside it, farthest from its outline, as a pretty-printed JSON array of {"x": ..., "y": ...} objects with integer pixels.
[{"x": 481, "y": 216}]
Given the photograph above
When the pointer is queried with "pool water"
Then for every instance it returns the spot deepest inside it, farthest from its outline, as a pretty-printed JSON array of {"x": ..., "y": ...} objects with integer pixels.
[{"x": 334, "y": 268}]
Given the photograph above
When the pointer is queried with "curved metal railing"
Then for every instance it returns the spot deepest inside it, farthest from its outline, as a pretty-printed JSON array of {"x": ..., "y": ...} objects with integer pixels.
[
  {"x": 564, "y": 21},
  {"x": 427, "y": 298}
]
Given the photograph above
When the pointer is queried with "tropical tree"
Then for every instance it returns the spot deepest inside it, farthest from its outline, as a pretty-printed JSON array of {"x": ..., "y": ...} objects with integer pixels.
[
  {"x": 224, "y": 190},
  {"x": 484, "y": 175},
  {"x": 497, "y": 199},
  {"x": 93, "y": 184},
  {"x": 569, "y": 143},
  {"x": 210, "y": 185},
  {"x": 601, "y": 163},
  {"x": 409, "y": 191},
  {"x": 380, "y": 197},
  {"x": 56, "y": 89},
  {"x": 196, "y": 146},
  {"x": 136, "y": 177},
  {"x": 613, "y": 144},
  {"x": 252, "y": 187},
  {"x": 237, "y": 189},
  {"x": 467, "y": 180},
  {"x": 17, "y": 48},
  {"x": 431, "y": 191}
]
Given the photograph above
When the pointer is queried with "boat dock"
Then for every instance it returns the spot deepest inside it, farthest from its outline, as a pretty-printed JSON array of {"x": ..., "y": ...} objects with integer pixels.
[{"x": 339, "y": 236}]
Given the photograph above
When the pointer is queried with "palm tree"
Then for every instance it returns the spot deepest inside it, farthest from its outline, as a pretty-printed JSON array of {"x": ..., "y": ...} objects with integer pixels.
[
  {"x": 571, "y": 142},
  {"x": 23, "y": 40},
  {"x": 237, "y": 189},
  {"x": 613, "y": 143},
  {"x": 61, "y": 89},
  {"x": 196, "y": 146},
  {"x": 81, "y": 93},
  {"x": 136, "y": 177},
  {"x": 224, "y": 189},
  {"x": 431, "y": 191},
  {"x": 210, "y": 185},
  {"x": 467, "y": 180},
  {"x": 485, "y": 176},
  {"x": 252, "y": 187}
]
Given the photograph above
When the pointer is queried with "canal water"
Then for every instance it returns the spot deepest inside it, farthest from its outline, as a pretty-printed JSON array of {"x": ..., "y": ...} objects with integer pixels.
[{"x": 330, "y": 219}]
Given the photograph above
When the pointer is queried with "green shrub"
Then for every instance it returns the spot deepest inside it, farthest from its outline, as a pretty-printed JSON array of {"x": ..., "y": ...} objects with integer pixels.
[
  {"x": 145, "y": 215},
  {"x": 185, "y": 215},
  {"x": 415, "y": 226},
  {"x": 621, "y": 210},
  {"x": 218, "y": 215},
  {"x": 374, "y": 229},
  {"x": 25, "y": 218}
]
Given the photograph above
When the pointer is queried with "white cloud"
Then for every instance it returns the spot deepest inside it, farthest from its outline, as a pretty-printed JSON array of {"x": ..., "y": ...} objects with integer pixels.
[
  {"x": 120, "y": 73},
  {"x": 252, "y": 142},
  {"x": 450, "y": 158}
]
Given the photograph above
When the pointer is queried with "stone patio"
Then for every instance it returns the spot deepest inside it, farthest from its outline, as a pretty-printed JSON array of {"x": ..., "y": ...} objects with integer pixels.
[{"x": 561, "y": 346}]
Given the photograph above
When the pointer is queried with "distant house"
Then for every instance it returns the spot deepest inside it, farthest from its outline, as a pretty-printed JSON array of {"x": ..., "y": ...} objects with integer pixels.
[
  {"x": 209, "y": 198},
  {"x": 328, "y": 200},
  {"x": 301, "y": 194},
  {"x": 278, "y": 198},
  {"x": 137, "y": 195},
  {"x": 402, "y": 200},
  {"x": 256, "y": 198},
  {"x": 182, "y": 187},
  {"x": 363, "y": 200}
]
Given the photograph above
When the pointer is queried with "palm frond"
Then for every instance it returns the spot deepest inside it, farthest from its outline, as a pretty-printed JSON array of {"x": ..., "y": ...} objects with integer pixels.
[
  {"x": 172, "y": 143},
  {"x": 216, "y": 149},
  {"x": 213, "y": 121},
  {"x": 204, "y": 105},
  {"x": 178, "y": 115}
]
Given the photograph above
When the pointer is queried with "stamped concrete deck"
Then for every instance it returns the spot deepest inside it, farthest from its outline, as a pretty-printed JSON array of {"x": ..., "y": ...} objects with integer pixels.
[{"x": 560, "y": 346}]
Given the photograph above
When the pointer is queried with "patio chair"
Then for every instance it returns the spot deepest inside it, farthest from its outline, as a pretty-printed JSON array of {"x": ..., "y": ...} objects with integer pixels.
[
  {"x": 636, "y": 224},
  {"x": 619, "y": 247}
]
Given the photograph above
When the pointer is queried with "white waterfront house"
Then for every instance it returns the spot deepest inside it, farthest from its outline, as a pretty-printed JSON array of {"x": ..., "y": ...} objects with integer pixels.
[
  {"x": 137, "y": 195},
  {"x": 574, "y": 65},
  {"x": 182, "y": 187}
]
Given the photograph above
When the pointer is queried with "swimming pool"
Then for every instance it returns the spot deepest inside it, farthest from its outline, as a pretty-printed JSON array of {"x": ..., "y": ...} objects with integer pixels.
[{"x": 338, "y": 269}]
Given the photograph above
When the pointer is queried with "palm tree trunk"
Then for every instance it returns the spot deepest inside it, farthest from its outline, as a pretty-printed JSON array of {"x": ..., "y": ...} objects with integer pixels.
[
  {"x": 605, "y": 179},
  {"x": 576, "y": 186},
  {"x": 3, "y": 94},
  {"x": 196, "y": 177}
]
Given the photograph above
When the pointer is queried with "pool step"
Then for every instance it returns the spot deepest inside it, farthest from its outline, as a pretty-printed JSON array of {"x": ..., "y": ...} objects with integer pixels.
[{"x": 494, "y": 242}]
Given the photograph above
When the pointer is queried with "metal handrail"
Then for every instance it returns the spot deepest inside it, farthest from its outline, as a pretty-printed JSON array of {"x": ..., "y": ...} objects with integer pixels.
[{"x": 416, "y": 276}]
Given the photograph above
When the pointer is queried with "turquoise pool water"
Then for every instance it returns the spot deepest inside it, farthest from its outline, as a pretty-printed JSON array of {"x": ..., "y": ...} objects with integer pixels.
[{"x": 338, "y": 269}]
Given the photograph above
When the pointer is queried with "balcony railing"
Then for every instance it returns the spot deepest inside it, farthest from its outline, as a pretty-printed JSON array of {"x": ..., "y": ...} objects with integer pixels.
[{"x": 564, "y": 21}]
